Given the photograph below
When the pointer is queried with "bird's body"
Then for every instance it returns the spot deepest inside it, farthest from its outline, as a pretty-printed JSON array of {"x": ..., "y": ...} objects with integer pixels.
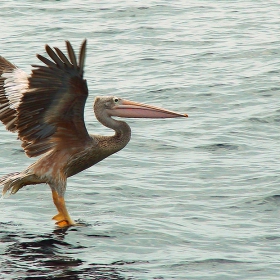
[{"x": 46, "y": 109}]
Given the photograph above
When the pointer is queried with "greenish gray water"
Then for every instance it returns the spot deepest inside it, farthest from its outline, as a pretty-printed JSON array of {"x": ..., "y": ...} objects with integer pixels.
[{"x": 195, "y": 198}]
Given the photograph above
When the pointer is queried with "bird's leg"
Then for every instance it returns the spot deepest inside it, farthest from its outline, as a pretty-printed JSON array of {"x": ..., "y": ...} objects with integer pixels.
[{"x": 63, "y": 218}]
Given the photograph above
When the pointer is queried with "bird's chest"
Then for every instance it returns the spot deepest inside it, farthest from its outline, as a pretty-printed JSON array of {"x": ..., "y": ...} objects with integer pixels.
[
  {"x": 84, "y": 160},
  {"x": 93, "y": 154}
]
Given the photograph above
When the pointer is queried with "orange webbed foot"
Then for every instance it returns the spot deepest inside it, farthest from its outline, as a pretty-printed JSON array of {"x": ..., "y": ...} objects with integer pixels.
[{"x": 63, "y": 221}]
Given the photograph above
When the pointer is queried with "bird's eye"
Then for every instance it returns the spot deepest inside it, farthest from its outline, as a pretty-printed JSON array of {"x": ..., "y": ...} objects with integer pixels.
[{"x": 116, "y": 100}]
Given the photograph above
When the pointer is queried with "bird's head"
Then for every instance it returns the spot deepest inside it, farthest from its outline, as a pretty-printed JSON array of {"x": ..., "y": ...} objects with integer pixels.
[{"x": 114, "y": 106}]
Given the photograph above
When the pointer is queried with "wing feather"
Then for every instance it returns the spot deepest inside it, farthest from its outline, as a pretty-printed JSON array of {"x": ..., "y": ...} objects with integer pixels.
[
  {"x": 46, "y": 61},
  {"x": 63, "y": 57},
  {"x": 54, "y": 57},
  {"x": 51, "y": 112},
  {"x": 71, "y": 54},
  {"x": 82, "y": 58}
]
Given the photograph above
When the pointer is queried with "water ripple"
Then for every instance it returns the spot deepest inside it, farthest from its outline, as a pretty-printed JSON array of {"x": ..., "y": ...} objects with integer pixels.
[{"x": 186, "y": 199}]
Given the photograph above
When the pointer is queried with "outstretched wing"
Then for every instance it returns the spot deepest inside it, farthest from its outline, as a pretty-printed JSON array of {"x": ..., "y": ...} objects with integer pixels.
[
  {"x": 51, "y": 112},
  {"x": 47, "y": 110}
]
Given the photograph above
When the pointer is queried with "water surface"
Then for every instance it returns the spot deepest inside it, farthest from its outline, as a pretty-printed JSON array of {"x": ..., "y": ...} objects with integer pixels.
[{"x": 194, "y": 198}]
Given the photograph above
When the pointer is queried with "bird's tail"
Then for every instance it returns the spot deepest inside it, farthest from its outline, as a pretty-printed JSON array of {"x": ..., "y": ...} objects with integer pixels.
[{"x": 14, "y": 181}]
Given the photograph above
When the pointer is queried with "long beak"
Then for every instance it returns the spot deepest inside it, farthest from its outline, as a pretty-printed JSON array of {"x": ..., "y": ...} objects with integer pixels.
[{"x": 130, "y": 109}]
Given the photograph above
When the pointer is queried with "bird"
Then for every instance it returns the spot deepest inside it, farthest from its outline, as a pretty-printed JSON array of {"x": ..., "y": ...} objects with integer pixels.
[{"x": 46, "y": 110}]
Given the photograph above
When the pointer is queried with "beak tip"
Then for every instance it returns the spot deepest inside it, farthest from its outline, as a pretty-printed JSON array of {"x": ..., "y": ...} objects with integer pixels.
[{"x": 186, "y": 115}]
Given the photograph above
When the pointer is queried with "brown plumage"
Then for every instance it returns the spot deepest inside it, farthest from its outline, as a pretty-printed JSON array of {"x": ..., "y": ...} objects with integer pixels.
[{"x": 46, "y": 109}]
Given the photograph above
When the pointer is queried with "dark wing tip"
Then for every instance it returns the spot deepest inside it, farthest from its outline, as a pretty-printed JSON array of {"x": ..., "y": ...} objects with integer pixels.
[
  {"x": 71, "y": 54},
  {"x": 82, "y": 57},
  {"x": 46, "y": 61},
  {"x": 63, "y": 57},
  {"x": 60, "y": 60},
  {"x": 54, "y": 56}
]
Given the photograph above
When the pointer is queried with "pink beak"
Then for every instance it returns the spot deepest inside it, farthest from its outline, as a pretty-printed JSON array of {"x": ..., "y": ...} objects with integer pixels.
[{"x": 130, "y": 109}]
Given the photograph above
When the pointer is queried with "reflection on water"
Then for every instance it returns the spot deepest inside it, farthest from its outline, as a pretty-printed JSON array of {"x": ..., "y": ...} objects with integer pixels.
[{"x": 30, "y": 256}]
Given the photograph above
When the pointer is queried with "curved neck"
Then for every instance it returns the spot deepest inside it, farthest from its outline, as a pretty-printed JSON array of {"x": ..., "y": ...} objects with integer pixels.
[{"x": 122, "y": 132}]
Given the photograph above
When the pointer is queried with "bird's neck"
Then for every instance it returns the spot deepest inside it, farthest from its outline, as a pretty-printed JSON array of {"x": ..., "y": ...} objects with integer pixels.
[
  {"x": 121, "y": 138},
  {"x": 122, "y": 133}
]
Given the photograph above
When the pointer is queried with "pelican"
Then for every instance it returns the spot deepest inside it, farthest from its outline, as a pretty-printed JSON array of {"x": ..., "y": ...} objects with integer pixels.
[{"x": 46, "y": 110}]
